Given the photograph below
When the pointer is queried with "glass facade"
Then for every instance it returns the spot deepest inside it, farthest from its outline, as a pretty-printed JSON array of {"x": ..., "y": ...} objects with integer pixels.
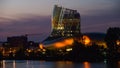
[{"x": 65, "y": 22}]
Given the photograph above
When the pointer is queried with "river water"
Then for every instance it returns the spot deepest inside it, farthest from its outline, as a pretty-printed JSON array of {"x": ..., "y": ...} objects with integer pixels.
[{"x": 55, "y": 64}]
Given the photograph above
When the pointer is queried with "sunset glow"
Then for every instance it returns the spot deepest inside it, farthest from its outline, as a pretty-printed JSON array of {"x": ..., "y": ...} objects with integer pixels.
[{"x": 17, "y": 16}]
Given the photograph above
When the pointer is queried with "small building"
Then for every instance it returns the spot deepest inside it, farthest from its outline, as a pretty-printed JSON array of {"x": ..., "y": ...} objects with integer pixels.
[{"x": 17, "y": 41}]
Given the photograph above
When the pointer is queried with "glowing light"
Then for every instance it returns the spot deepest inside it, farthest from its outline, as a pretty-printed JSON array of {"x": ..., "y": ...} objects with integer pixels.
[
  {"x": 63, "y": 43},
  {"x": 68, "y": 41},
  {"x": 69, "y": 49},
  {"x": 86, "y": 40},
  {"x": 29, "y": 50},
  {"x": 44, "y": 50},
  {"x": 118, "y": 42},
  {"x": 59, "y": 44},
  {"x": 41, "y": 46}
]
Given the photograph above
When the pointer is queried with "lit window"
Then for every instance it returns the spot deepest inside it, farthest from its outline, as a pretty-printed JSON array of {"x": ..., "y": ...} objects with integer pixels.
[{"x": 69, "y": 49}]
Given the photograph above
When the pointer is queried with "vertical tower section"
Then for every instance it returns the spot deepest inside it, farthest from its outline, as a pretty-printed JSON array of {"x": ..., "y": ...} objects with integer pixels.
[{"x": 65, "y": 22}]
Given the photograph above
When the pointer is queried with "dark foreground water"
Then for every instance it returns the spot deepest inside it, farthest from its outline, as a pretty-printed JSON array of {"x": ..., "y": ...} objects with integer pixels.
[{"x": 56, "y": 64}]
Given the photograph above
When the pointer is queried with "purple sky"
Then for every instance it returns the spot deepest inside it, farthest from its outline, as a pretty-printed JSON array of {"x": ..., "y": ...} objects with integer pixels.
[{"x": 19, "y": 17}]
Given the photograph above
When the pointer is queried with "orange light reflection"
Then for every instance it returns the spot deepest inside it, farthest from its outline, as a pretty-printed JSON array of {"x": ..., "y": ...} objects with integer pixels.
[{"x": 86, "y": 65}]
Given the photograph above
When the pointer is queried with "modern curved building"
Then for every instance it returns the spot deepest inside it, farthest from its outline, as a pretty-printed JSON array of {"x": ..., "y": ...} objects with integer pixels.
[{"x": 65, "y": 22}]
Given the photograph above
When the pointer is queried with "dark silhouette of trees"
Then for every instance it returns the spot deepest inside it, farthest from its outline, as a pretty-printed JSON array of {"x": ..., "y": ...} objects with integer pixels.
[
  {"x": 82, "y": 52},
  {"x": 113, "y": 34}
]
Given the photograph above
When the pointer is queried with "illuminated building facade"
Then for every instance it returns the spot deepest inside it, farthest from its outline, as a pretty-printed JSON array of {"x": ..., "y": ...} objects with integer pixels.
[{"x": 65, "y": 22}]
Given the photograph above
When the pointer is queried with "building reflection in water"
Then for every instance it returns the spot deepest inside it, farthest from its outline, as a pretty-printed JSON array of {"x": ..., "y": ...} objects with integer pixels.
[
  {"x": 56, "y": 64},
  {"x": 14, "y": 64},
  {"x": 6, "y": 64},
  {"x": 118, "y": 64},
  {"x": 112, "y": 64},
  {"x": 3, "y": 63},
  {"x": 86, "y": 65},
  {"x": 27, "y": 64},
  {"x": 63, "y": 64}
]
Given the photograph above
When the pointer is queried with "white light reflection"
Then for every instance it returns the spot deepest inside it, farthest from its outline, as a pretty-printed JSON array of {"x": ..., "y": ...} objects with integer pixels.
[
  {"x": 14, "y": 64},
  {"x": 3, "y": 63},
  {"x": 27, "y": 64}
]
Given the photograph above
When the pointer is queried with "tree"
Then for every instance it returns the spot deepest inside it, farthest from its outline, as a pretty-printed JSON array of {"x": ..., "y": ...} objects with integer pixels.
[{"x": 113, "y": 34}]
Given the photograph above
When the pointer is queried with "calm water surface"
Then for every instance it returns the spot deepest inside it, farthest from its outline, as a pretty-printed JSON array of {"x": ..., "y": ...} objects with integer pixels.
[{"x": 55, "y": 64}]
